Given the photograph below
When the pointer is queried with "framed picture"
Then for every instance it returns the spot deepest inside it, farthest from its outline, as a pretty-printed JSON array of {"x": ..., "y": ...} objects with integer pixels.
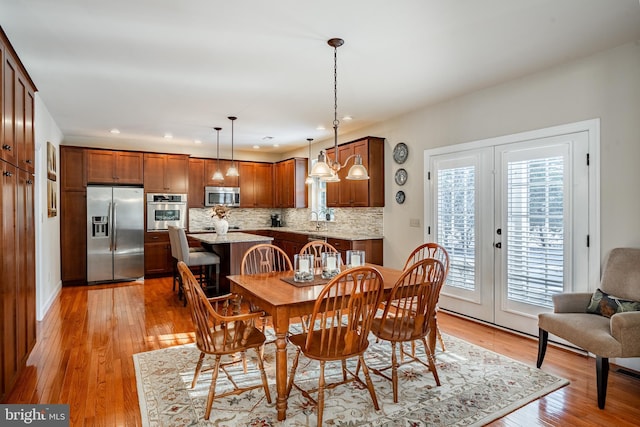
[
  {"x": 52, "y": 198},
  {"x": 51, "y": 161}
]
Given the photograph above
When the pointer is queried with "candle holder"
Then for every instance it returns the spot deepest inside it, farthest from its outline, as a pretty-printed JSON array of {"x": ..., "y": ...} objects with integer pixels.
[
  {"x": 303, "y": 267},
  {"x": 355, "y": 258},
  {"x": 331, "y": 262}
]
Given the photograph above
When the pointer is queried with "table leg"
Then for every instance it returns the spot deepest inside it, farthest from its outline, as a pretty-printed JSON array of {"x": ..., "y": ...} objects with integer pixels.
[{"x": 281, "y": 326}]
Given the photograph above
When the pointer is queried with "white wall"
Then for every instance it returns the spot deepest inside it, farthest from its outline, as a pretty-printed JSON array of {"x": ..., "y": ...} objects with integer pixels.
[
  {"x": 48, "y": 279},
  {"x": 605, "y": 86}
]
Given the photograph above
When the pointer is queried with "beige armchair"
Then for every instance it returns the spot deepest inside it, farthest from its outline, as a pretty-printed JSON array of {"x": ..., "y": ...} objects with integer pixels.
[{"x": 617, "y": 336}]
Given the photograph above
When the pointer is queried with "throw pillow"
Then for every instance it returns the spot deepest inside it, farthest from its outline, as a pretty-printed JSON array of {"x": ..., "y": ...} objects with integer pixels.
[{"x": 607, "y": 305}]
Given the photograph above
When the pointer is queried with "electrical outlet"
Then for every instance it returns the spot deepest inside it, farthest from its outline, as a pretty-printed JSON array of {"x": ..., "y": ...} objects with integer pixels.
[{"x": 414, "y": 222}]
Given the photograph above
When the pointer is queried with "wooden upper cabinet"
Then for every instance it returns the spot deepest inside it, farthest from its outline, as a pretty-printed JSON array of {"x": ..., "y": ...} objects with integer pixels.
[
  {"x": 72, "y": 169},
  {"x": 166, "y": 173},
  {"x": 195, "y": 197},
  {"x": 211, "y": 165},
  {"x": 256, "y": 184},
  {"x": 290, "y": 188},
  {"x": 9, "y": 72},
  {"x": 352, "y": 193},
  {"x": 114, "y": 167}
]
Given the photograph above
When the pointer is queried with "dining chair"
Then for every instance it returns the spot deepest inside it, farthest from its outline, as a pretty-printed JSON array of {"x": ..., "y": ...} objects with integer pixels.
[
  {"x": 201, "y": 259},
  {"x": 315, "y": 248},
  {"x": 174, "y": 242},
  {"x": 264, "y": 258},
  {"x": 339, "y": 330},
  {"x": 436, "y": 251},
  {"x": 222, "y": 331},
  {"x": 407, "y": 311}
]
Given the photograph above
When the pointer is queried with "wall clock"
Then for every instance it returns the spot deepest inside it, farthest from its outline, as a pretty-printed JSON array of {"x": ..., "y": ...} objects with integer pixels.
[
  {"x": 401, "y": 176},
  {"x": 400, "y": 153},
  {"x": 400, "y": 197}
]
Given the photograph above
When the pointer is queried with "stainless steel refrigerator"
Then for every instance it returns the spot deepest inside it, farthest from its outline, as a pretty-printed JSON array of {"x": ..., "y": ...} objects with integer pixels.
[{"x": 115, "y": 233}]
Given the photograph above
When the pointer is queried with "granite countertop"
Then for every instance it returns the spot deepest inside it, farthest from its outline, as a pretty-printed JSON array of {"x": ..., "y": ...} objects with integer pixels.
[
  {"x": 235, "y": 237},
  {"x": 321, "y": 234}
]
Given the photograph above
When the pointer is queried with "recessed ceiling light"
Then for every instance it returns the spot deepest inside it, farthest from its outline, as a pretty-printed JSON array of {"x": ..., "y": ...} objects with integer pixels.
[
  {"x": 347, "y": 118},
  {"x": 276, "y": 145},
  {"x": 168, "y": 136},
  {"x": 114, "y": 131},
  {"x": 256, "y": 147},
  {"x": 197, "y": 141},
  {"x": 320, "y": 127}
]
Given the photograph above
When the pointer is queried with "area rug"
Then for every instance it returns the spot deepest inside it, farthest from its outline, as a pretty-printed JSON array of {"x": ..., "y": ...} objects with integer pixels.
[{"x": 477, "y": 387}]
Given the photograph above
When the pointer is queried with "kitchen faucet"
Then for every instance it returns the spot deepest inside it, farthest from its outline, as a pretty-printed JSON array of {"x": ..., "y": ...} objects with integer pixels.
[{"x": 317, "y": 219}]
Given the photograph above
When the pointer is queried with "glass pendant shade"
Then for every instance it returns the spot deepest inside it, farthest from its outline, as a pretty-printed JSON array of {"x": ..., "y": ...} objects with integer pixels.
[
  {"x": 217, "y": 176},
  {"x": 358, "y": 171},
  {"x": 233, "y": 170},
  {"x": 332, "y": 178},
  {"x": 321, "y": 169}
]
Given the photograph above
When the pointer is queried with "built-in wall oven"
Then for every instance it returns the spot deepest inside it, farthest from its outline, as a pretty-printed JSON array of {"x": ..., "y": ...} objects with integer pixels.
[{"x": 164, "y": 210}]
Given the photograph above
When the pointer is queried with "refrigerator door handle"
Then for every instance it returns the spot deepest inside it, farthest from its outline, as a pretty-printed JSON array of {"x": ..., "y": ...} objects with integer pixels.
[
  {"x": 115, "y": 228},
  {"x": 110, "y": 226}
]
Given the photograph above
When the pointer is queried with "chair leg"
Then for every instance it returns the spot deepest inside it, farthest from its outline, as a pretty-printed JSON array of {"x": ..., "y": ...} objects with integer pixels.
[
  {"x": 212, "y": 387},
  {"x": 439, "y": 335},
  {"x": 432, "y": 361},
  {"x": 394, "y": 369},
  {"x": 265, "y": 383},
  {"x": 198, "y": 369},
  {"x": 602, "y": 375},
  {"x": 321, "y": 386},
  {"x": 367, "y": 377},
  {"x": 292, "y": 373},
  {"x": 543, "y": 337}
]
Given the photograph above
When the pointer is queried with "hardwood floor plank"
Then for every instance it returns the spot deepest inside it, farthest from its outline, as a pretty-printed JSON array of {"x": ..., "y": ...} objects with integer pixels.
[{"x": 83, "y": 357}]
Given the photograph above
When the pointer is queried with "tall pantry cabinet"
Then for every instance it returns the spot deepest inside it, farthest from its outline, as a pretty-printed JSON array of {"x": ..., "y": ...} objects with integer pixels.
[{"x": 17, "y": 226}]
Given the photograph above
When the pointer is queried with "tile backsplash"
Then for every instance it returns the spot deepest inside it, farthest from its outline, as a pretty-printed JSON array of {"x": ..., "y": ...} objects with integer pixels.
[{"x": 347, "y": 220}]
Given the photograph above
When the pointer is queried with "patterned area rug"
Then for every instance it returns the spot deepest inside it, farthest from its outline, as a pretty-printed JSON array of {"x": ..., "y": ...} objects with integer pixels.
[{"x": 478, "y": 386}]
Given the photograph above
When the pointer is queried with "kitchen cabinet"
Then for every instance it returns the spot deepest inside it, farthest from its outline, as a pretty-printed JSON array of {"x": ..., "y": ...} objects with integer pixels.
[
  {"x": 195, "y": 197},
  {"x": 166, "y": 173},
  {"x": 211, "y": 165},
  {"x": 72, "y": 169},
  {"x": 353, "y": 193},
  {"x": 17, "y": 223},
  {"x": 290, "y": 188},
  {"x": 157, "y": 254},
  {"x": 114, "y": 167},
  {"x": 256, "y": 185},
  {"x": 73, "y": 216}
]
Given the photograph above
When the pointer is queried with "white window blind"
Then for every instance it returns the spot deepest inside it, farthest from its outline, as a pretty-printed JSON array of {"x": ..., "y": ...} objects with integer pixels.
[
  {"x": 456, "y": 192},
  {"x": 535, "y": 212}
]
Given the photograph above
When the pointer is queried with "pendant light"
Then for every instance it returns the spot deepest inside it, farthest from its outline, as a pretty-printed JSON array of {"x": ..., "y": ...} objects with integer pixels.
[
  {"x": 309, "y": 179},
  {"x": 217, "y": 176},
  {"x": 233, "y": 170},
  {"x": 325, "y": 168}
]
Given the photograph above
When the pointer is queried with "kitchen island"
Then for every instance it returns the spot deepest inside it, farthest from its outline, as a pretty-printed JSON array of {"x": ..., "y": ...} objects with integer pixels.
[{"x": 231, "y": 248}]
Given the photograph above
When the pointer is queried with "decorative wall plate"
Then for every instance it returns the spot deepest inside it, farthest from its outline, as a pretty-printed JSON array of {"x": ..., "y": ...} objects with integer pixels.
[
  {"x": 400, "y": 197},
  {"x": 401, "y": 176},
  {"x": 400, "y": 153}
]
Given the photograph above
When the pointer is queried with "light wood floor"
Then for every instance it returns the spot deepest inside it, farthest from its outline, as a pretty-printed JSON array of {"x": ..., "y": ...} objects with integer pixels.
[{"x": 85, "y": 344}]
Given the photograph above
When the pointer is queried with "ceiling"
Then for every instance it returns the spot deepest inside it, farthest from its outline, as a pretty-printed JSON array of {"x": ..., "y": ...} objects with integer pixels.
[{"x": 150, "y": 67}]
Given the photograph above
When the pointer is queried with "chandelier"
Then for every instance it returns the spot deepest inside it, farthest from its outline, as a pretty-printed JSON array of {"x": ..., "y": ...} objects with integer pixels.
[{"x": 326, "y": 168}]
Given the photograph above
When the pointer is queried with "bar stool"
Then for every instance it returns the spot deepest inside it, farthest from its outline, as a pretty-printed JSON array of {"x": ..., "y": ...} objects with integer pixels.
[{"x": 195, "y": 257}]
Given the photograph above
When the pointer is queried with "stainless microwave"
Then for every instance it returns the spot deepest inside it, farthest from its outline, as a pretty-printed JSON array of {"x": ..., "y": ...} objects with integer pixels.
[{"x": 226, "y": 196}]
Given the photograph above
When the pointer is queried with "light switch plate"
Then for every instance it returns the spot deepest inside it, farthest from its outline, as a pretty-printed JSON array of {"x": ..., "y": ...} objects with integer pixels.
[{"x": 414, "y": 222}]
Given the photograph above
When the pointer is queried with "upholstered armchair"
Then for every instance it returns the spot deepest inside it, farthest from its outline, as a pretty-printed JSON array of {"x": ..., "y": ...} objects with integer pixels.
[{"x": 600, "y": 323}]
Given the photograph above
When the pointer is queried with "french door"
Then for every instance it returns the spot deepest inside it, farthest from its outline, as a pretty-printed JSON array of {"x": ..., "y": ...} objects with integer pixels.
[{"x": 514, "y": 218}]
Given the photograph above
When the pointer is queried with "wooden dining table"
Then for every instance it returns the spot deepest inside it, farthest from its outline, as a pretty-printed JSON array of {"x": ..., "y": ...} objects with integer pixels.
[{"x": 284, "y": 301}]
